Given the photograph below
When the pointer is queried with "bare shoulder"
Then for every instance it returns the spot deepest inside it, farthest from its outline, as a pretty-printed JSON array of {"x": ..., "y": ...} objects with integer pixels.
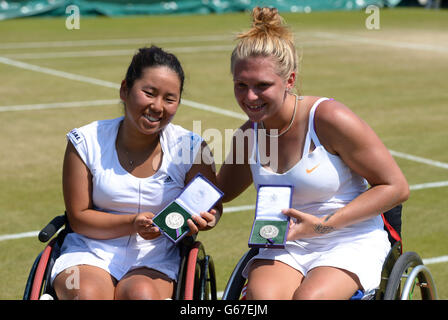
[
  {"x": 333, "y": 111},
  {"x": 336, "y": 115},
  {"x": 336, "y": 123}
]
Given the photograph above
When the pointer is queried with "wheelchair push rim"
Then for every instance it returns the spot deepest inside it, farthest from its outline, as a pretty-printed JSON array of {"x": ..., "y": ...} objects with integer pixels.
[{"x": 408, "y": 274}]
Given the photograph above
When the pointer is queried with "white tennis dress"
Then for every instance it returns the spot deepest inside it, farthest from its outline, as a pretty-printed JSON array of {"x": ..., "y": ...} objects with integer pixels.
[
  {"x": 117, "y": 191},
  {"x": 323, "y": 183}
]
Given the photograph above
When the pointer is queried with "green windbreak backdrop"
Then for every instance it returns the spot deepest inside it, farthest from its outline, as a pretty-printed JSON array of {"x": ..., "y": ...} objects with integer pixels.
[{"x": 17, "y": 8}]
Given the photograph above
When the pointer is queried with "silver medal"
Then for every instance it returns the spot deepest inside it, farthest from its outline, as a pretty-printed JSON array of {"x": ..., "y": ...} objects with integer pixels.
[
  {"x": 174, "y": 220},
  {"x": 269, "y": 231}
]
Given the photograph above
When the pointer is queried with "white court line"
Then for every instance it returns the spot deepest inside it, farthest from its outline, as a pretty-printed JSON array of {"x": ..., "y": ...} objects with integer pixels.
[
  {"x": 109, "y": 84},
  {"x": 419, "y": 159},
  {"x": 429, "y": 185},
  {"x": 112, "y": 53},
  {"x": 207, "y": 38},
  {"x": 19, "y": 235},
  {"x": 232, "y": 114},
  {"x": 435, "y": 260},
  {"x": 190, "y": 103},
  {"x": 130, "y": 52},
  {"x": 205, "y": 107},
  {"x": 136, "y": 41},
  {"x": 209, "y": 48},
  {"x": 225, "y": 112},
  {"x": 58, "y": 105},
  {"x": 57, "y": 73},
  {"x": 382, "y": 42},
  {"x": 35, "y": 233},
  {"x": 22, "y": 235},
  {"x": 112, "y": 42}
]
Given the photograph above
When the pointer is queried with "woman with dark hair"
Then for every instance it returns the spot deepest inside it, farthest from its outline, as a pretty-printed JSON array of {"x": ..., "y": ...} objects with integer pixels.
[{"x": 117, "y": 175}]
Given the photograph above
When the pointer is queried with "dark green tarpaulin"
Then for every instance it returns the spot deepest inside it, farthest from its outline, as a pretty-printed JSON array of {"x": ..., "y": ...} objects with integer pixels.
[{"x": 14, "y": 9}]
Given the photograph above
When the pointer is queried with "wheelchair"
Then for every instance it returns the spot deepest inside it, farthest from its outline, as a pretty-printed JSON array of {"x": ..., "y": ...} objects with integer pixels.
[
  {"x": 196, "y": 280},
  {"x": 401, "y": 273}
]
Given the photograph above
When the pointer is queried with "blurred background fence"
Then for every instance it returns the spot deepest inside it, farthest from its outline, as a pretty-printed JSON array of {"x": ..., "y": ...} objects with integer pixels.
[{"x": 25, "y": 8}]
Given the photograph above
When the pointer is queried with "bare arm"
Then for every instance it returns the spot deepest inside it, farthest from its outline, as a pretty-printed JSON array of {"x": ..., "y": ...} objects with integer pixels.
[
  {"x": 77, "y": 189},
  {"x": 234, "y": 175},
  {"x": 343, "y": 133}
]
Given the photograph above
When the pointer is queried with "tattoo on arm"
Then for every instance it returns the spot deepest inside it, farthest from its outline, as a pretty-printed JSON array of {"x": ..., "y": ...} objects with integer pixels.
[
  {"x": 321, "y": 229},
  {"x": 329, "y": 216}
]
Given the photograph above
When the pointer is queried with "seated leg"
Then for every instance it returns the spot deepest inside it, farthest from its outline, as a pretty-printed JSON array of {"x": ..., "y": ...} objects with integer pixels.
[
  {"x": 144, "y": 284},
  {"x": 270, "y": 280},
  {"x": 327, "y": 283},
  {"x": 84, "y": 282}
]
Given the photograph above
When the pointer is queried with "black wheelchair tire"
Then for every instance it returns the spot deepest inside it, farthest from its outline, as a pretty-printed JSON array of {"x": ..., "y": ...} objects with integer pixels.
[
  {"x": 402, "y": 267},
  {"x": 200, "y": 271}
]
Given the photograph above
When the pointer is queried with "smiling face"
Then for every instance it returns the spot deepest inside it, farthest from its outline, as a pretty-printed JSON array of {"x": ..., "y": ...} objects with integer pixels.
[
  {"x": 258, "y": 88},
  {"x": 153, "y": 99}
]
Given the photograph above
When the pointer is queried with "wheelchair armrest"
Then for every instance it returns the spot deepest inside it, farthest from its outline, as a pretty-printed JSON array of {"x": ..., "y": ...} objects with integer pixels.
[{"x": 51, "y": 228}]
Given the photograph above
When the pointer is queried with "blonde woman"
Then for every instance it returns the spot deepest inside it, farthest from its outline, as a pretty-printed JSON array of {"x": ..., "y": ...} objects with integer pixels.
[{"x": 343, "y": 175}]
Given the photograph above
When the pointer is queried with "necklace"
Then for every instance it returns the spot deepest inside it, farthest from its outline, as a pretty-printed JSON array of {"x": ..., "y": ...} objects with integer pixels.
[
  {"x": 290, "y": 123},
  {"x": 131, "y": 160}
]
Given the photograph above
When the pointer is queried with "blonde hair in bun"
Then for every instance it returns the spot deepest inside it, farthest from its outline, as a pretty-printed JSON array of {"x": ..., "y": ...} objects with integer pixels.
[{"x": 268, "y": 37}]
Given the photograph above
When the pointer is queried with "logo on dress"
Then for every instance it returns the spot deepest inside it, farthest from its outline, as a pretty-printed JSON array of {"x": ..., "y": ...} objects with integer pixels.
[
  {"x": 312, "y": 169},
  {"x": 168, "y": 179},
  {"x": 76, "y": 136}
]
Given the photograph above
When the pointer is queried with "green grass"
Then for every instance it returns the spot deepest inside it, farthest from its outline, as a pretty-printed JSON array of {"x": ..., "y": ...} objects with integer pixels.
[{"x": 400, "y": 92}]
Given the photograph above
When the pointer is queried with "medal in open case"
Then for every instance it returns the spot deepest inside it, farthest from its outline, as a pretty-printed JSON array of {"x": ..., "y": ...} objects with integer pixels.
[{"x": 270, "y": 226}]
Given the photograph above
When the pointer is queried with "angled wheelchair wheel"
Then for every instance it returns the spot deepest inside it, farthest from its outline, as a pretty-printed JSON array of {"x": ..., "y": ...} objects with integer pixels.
[
  {"x": 408, "y": 274},
  {"x": 38, "y": 279},
  {"x": 31, "y": 276},
  {"x": 236, "y": 281},
  {"x": 388, "y": 265},
  {"x": 38, "y": 282},
  {"x": 197, "y": 279}
]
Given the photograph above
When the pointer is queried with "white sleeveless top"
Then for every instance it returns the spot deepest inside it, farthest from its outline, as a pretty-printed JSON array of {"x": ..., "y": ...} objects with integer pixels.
[
  {"x": 117, "y": 191},
  {"x": 322, "y": 182}
]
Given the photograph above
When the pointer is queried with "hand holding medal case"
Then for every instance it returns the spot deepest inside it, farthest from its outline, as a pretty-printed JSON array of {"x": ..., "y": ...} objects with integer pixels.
[
  {"x": 270, "y": 226},
  {"x": 198, "y": 196}
]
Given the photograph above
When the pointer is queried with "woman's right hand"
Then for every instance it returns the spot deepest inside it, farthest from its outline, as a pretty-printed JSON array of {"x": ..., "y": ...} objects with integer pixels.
[{"x": 144, "y": 226}]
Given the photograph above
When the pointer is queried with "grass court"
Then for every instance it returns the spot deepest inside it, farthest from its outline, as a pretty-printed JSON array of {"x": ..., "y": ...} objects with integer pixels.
[{"x": 54, "y": 79}]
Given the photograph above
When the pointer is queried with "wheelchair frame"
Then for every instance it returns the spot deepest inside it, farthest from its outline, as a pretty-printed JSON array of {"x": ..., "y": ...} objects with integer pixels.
[
  {"x": 400, "y": 275},
  {"x": 196, "y": 279}
]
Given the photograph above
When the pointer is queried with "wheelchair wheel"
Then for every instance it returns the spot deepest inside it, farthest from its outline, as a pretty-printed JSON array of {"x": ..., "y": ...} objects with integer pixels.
[
  {"x": 38, "y": 282},
  {"x": 236, "y": 281},
  {"x": 38, "y": 278},
  {"x": 197, "y": 279},
  {"x": 407, "y": 274}
]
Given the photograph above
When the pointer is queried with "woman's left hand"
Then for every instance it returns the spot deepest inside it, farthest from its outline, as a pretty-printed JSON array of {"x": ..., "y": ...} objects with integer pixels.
[{"x": 306, "y": 225}]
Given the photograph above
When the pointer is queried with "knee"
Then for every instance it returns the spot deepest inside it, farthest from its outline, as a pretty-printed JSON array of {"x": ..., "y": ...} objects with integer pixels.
[
  {"x": 137, "y": 291},
  {"x": 303, "y": 293},
  {"x": 322, "y": 293},
  {"x": 264, "y": 290},
  {"x": 85, "y": 291}
]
